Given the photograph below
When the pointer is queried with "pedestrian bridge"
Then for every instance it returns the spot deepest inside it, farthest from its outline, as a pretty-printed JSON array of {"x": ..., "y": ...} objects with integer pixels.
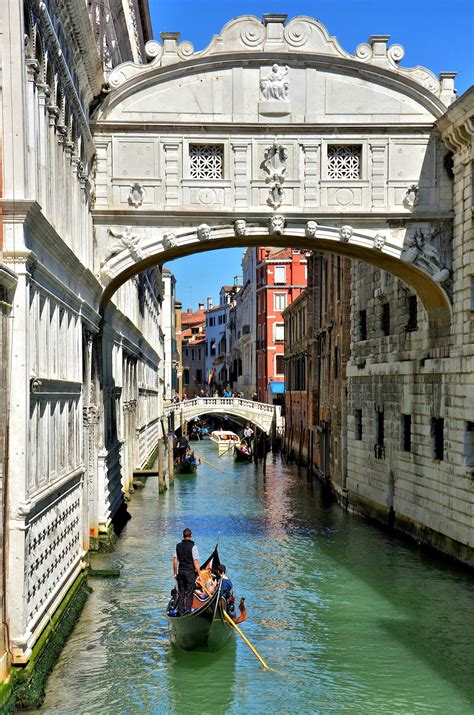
[{"x": 259, "y": 414}]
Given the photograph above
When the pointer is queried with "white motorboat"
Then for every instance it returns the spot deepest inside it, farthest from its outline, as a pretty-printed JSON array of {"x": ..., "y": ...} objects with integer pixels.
[{"x": 224, "y": 439}]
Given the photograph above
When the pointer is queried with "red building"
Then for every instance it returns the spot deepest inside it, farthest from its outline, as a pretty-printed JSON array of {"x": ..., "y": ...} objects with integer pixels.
[
  {"x": 281, "y": 276},
  {"x": 193, "y": 331}
]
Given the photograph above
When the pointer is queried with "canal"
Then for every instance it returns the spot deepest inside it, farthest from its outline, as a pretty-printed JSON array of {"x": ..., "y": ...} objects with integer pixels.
[{"x": 350, "y": 619}]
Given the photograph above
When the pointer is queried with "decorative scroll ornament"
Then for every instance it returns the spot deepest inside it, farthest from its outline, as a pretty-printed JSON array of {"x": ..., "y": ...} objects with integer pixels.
[
  {"x": 203, "y": 232},
  {"x": 345, "y": 233},
  {"x": 422, "y": 251},
  {"x": 276, "y": 87},
  {"x": 136, "y": 195},
  {"x": 379, "y": 241},
  {"x": 128, "y": 240},
  {"x": 168, "y": 241},
  {"x": 240, "y": 227},
  {"x": 310, "y": 229},
  {"x": 276, "y": 225}
]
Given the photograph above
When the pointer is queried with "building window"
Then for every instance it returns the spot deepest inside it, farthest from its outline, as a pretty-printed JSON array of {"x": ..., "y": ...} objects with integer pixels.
[
  {"x": 412, "y": 322},
  {"x": 280, "y": 274},
  {"x": 437, "y": 438},
  {"x": 405, "y": 433},
  {"x": 213, "y": 347},
  {"x": 279, "y": 364},
  {"x": 186, "y": 376},
  {"x": 469, "y": 444},
  {"x": 278, "y": 332},
  {"x": 385, "y": 319},
  {"x": 379, "y": 447},
  {"x": 358, "y": 424},
  {"x": 206, "y": 161},
  {"x": 362, "y": 325},
  {"x": 199, "y": 376},
  {"x": 186, "y": 353},
  {"x": 344, "y": 162},
  {"x": 279, "y": 301}
]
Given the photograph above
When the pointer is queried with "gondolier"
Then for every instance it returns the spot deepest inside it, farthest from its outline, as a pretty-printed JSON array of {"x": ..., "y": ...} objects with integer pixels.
[{"x": 186, "y": 571}]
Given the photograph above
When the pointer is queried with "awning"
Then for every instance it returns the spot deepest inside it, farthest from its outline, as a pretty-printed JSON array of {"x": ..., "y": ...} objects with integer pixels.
[{"x": 278, "y": 388}]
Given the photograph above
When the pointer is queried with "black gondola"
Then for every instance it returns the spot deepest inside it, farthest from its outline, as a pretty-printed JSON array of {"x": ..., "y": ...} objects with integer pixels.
[
  {"x": 242, "y": 452},
  {"x": 186, "y": 465},
  {"x": 206, "y": 627}
]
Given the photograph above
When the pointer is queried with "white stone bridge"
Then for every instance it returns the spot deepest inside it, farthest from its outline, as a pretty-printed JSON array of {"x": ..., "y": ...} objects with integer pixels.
[{"x": 259, "y": 414}]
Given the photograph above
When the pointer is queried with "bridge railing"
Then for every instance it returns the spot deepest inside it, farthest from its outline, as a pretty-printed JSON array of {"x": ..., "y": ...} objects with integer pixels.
[{"x": 224, "y": 402}]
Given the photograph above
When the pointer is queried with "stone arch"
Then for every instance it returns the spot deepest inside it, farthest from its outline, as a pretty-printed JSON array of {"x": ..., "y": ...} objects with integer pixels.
[{"x": 137, "y": 249}]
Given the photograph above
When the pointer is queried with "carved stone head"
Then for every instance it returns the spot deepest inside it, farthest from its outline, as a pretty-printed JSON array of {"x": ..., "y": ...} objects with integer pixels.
[
  {"x": 379, "y": 241},
  {"x": 345, "y": 233},
  {"x": 168, "y": 240},
  {"x": 277, "y": 224},
  {"x": 240, "y": 227},
  {"x": 203, "y": 232},
  {"x": 310, "y": 229}
]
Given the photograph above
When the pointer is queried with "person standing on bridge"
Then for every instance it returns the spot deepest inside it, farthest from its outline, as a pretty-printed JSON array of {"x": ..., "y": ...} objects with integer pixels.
[{"x": 186, "y": 571}]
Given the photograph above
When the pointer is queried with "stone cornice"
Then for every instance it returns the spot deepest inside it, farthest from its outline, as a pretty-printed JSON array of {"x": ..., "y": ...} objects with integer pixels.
[{"x": 457, "y": 124}]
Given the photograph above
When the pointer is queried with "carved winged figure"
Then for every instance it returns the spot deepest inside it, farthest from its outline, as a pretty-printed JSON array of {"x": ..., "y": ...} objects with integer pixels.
[{"x": 129, "y": 240}]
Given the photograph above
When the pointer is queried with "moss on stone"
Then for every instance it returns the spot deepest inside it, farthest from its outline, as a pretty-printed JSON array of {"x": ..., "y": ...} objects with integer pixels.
[
  {"x": 29, "y": 681},
  {"x": 7, "y": 697}
]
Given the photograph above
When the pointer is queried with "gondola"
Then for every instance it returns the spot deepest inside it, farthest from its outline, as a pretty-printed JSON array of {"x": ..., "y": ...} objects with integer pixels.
[
  {"x": 206, "y": 627},
  {"x": 184, "y": 466},
  {"x": 241, "y": 454}
]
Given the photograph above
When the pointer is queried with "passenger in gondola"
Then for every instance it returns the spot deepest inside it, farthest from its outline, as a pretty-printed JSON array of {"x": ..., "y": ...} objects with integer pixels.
[
  {"x": 226, "y": 588},
  {"x": 186, "y": 571}
]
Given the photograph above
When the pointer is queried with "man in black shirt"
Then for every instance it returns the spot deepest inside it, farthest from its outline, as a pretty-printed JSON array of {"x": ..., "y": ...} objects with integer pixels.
[{"x": 186, "y": 571}]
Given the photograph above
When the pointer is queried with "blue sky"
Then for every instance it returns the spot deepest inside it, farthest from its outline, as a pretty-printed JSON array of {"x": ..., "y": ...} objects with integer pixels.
[{"x": 437, "y": 34}]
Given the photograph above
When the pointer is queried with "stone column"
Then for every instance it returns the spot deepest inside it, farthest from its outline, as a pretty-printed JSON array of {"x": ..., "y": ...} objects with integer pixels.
[
  {"x": 32, "y": 66},
  {"x": 170, "y": 460},
  {"x": 161, "y": 469},
  {"x": 172, "y": 187}
]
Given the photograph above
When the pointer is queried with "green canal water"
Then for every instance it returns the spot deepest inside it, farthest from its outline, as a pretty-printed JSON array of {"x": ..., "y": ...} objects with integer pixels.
[{"x": 350, "y": 619}]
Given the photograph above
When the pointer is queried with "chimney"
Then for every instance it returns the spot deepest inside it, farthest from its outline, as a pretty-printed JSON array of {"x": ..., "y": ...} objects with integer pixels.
[
  {"x": 209, "y": 303},
  {"x": 189, "y": 311},
  {"x": 200, "y": 306}
]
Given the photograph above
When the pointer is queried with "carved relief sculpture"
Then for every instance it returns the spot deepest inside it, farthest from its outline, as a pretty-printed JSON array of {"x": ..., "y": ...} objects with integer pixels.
[
  {"x": 203, "y": 232},
  {"x": 276, "y": 225},
  {"x": 411, "y": 197},
  {"x": 276, "y": 87},
  {"x": 240, "y": 227},
  {"x": 310, "y": 229},
  {"x": 345, "y": 233},
  {"x": 274, "y": 164},
  {"x": 379, "y": 242},
  {"x": 129, "y": 240},
  {"x": 421, "y": 251},
  {"x": 136, "y": 195},
  {"x": 168, "y": 241}
]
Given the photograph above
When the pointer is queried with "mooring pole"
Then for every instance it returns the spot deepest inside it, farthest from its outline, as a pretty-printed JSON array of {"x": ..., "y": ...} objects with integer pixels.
[
  {"x": 170, "y": 459},
  {"x": 161, "y": 468}
]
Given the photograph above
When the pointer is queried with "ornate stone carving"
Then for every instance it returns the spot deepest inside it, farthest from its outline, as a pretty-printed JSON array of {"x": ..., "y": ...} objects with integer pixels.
[
  {"x": 203, "y": 232},
  {"x": 274, "y": 164},
  {"x": 276, "y": 86},
  {"x": 310, "y": 229},
  {"x": 411, "y": 197},
  {"x": 35, "y": 384},
  {"x": 136, "y": 195},
  {"x": 168, "y": 241},
  {"x": 379, "y": 241},
  {"x": 240, "y": 227},
  {"x": 345, "y": 233},
  {"x": 276, "y": 225},
  {"x": 129, "y": 240},
  {"x": 423, "y": 252}
]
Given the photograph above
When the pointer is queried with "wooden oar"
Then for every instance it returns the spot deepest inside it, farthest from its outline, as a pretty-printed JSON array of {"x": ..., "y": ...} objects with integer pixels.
[
  {"x": 228, "y": 448},
  {"x": 211, "y": 465},
  {"x": 244, "y": 638}
]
